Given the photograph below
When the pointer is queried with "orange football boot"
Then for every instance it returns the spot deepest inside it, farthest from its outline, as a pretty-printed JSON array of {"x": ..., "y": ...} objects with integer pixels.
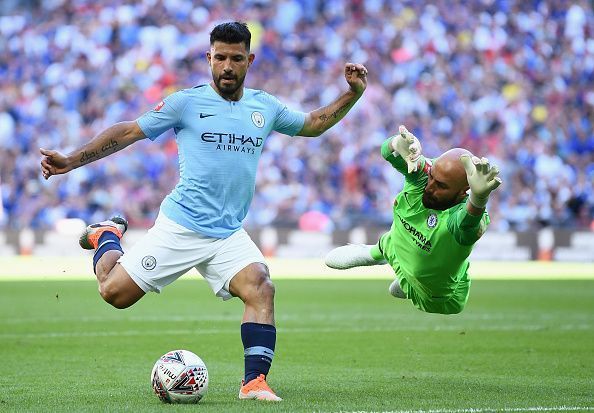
[
  {"x": 257, "y": 389},
  {"x": 90, "y": 237}
]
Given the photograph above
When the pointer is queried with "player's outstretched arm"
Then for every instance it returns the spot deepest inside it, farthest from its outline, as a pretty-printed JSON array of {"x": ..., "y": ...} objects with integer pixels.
[
  {"x": 408, "y": 147},
  {"x": 111, "y": 140},
  {"x": 482, "y": 180},
  {"x": 322, "y": 119}
]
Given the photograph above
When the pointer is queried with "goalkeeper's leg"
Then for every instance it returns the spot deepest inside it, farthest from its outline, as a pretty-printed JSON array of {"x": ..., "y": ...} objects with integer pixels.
[
  {"x": 396, "y": 290},
  {"x": 354, "y": 255}
]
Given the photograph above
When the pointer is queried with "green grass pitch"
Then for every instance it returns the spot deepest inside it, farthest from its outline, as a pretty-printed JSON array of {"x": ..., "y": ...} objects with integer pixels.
[{"x": 343, "y": 345}]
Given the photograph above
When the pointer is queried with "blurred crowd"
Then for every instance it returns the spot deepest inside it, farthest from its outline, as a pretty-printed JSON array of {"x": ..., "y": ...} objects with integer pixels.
[{"x": 511, "y": 80}]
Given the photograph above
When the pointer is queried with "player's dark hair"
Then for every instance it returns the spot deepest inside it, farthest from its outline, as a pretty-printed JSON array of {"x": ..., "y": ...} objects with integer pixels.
[{"x": 231, "y": 32}]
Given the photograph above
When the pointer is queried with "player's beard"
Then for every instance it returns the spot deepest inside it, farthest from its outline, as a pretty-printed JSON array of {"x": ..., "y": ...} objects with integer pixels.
[
  {"x": 431, "y": 202},
  {"x": 228, "y": 90}
]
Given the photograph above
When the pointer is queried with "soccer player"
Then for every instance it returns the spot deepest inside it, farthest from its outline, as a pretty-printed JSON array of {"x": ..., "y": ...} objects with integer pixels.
[
  {"x": 221, "y": 128},
  {"x": 436, "y": 223}
]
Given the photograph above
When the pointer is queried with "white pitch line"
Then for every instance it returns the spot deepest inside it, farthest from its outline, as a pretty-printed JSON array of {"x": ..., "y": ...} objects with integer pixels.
[
  {"x": 127, "y": 333},
  {"x": 463, "y": 322},
  {"x": 338, "y": 329},
  {"x": 484, "y": 410}
]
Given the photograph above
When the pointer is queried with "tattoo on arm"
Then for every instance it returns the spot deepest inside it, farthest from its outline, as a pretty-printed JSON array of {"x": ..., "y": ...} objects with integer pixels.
[
  {"x": 89, "y": 156},
  {"x": 112, "y": 144},
  {"x": 334, "y": 115}
]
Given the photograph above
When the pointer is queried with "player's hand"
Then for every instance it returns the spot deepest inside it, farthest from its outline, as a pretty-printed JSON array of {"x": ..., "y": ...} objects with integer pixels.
[
  {"x": 408, "y": 147},
  {"x": 356, "y": 76},
  {"x": 482, "y": 179},
  {"x": 53, "y": 163}
]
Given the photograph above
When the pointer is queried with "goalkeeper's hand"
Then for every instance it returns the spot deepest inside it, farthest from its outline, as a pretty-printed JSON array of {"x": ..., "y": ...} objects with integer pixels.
[
  {"x": 482, "y": 179},
  {"x": 408, "y": 147}
]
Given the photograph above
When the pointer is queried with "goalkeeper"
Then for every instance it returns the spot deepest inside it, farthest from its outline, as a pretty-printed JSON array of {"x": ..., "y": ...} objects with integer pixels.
[{"x": 436, "y": 223}]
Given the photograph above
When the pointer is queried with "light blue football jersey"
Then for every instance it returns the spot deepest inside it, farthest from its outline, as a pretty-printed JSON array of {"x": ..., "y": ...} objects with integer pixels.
[{"x": 219, "y": 144}]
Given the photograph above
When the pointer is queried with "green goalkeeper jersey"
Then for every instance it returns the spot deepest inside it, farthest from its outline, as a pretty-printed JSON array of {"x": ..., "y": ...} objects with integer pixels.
[{"x": 429, "y": 248}]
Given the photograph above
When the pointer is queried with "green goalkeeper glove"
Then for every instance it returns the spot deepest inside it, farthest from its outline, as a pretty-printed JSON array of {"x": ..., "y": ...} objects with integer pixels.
[
  {"x": 482, "y": 179},
  {"x": 408, "y": 147}
]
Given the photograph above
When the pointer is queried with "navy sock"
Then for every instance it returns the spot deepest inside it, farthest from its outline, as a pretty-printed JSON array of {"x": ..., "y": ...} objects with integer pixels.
[
  {"x": 258, "y": 343},
  {"x": 107, "y": 241}
]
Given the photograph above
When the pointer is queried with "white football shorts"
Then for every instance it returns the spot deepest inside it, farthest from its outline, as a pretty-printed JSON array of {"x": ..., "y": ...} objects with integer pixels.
[{"x": 169, "y": 250}]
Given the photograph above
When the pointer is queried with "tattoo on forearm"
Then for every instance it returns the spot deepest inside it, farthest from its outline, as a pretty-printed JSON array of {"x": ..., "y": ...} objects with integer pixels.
[
  {"x": 90, "y": 156},
  {"x": 110, "y": 145},
  {"x": 334, "y": 115}
]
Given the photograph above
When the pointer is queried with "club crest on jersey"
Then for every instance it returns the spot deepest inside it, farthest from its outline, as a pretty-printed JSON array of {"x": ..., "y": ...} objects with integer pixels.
[
  {"x": 258, "y": 119},
  {"x": 432, "y": 220},
  {"x": 159, "y": 106}
]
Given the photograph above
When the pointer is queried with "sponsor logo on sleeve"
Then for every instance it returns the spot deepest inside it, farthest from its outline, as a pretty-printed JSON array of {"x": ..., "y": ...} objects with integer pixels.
[
  {"x": 159, "y": 106},
  {"x": 427, "y": 167}
]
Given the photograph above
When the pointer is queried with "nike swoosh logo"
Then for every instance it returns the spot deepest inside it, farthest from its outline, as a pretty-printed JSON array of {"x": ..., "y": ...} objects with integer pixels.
[{"x": 205, "y": 115}]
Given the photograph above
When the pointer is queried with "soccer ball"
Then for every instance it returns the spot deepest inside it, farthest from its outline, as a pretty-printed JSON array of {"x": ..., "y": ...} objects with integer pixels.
[{"x": 180, "y": 376}]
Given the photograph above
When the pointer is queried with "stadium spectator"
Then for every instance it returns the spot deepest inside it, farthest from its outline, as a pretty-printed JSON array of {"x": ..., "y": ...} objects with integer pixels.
[{"x": 511, "y": 80}]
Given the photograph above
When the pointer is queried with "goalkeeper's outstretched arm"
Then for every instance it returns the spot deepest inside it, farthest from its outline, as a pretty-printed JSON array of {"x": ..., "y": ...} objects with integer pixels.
[
  {"x": 469, "y": 223},
  {"x": 403, "y": 151},
  {"x": 482, "y": 180},
  {"x": 111, "y": 140}
]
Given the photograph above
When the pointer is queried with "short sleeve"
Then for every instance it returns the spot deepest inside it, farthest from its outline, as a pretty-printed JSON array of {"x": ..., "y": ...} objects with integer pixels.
[
  {"x": 287, "y": 121},
  {"x": 166, "y": 115}
]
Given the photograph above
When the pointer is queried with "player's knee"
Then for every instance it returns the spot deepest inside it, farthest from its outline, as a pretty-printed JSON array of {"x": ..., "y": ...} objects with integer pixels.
[
  {"x": 261, "y": 286},
  {"x": 113, "y": 295},
  {"x": 268, "y": 289}
]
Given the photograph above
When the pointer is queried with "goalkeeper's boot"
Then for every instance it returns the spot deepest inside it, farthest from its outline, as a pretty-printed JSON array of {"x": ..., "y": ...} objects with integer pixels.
[
  {"x": 258, "y": 389},
  {"x": 90, "y": 237},
  {"x": 395, "y": 289},
  {"x": 352, "y": 255}
]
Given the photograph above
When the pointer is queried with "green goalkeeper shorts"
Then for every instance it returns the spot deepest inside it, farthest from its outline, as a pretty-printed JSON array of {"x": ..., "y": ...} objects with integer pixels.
[
  {"x": 450, "y": 305},
  {"x": 419, "y": 294}
]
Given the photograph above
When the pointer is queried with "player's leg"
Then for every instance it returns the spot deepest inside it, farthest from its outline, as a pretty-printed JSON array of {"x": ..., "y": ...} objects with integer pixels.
[
  {"x": 166, "y": 252},
  {"x": 254, "y": 287},
  {"x": 396, "y": 290},
  {"x": 238, "y": 269},
  {"x": 115, "y": 285},
  {"x": 258, "y": 332},
  {"x": 355, "y": 255}
]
